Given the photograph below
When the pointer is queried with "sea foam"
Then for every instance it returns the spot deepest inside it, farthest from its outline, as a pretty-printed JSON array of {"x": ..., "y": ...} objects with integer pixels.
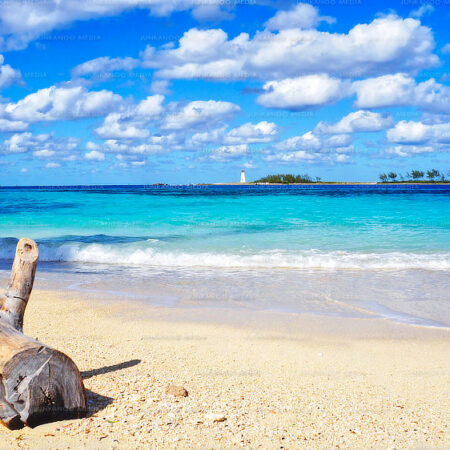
[{"x": 144, "y": 253}]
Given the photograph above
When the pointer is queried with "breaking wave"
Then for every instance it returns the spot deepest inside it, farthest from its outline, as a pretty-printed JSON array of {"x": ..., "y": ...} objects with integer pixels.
[{"x": 145, "y": 253}]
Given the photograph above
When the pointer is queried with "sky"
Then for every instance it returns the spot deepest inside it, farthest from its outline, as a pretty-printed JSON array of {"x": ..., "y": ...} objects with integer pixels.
[{"x": 192, "y": 91}]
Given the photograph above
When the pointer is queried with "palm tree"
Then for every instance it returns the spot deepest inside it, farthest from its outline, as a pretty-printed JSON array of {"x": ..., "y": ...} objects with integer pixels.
[
  {"x": 417, "y": 174},
  {"x": 432, "y": 174},
  {"x": 383, "y": 178},
  {"x": 392, "y": 175}
]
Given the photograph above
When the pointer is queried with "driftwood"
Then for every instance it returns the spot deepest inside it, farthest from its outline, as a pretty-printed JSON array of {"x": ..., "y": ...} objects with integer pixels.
[{"x": 37, "y": 383}]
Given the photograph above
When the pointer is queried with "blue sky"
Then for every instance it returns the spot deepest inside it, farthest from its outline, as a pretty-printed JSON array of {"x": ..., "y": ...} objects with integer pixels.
[{"x": 181, "y": 91}]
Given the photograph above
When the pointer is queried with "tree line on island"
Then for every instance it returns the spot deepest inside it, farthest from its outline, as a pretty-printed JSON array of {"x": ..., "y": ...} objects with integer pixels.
[
  {"x": 288, "y": 178},
  {"x": 416, "y": 176}
]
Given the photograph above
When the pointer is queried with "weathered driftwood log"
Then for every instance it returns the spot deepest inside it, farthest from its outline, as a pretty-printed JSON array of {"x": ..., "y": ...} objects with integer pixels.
[{"x": 37, "y": 383}]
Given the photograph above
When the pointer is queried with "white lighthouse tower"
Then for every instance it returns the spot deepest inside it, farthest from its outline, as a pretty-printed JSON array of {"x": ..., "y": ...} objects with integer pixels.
[{"x": 242, "y": 176}]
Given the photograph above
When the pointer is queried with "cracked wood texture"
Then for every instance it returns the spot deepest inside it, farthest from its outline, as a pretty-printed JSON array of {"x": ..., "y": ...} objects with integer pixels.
[{"x": 37, "y": 383}]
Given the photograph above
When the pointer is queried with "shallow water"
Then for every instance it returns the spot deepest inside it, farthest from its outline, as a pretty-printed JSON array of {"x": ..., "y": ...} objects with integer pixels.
[{"x": 359, "y": 251}]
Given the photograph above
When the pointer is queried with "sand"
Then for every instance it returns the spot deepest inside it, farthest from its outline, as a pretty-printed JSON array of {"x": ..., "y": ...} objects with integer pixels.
[{"x": 254, "y": 379}]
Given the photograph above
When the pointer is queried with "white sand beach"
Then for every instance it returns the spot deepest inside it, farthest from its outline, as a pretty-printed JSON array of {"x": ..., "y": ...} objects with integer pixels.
[{"x": 254, "y": 380}]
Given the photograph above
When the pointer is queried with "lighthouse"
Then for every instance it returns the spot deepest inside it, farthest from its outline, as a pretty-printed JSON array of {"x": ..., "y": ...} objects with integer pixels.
[{"x": 242, "y": 176}]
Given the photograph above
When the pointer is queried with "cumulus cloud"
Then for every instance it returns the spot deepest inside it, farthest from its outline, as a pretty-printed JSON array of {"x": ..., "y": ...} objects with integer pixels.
[
  {"x": 8, "y": 75},
  {"x": 61, "y": 103},
  {"x": 45, "y": 153},
  {"x": 94, "y": 155},
  {"x": 198, "y": 113},
  {"x": 407, "y": 150},
  {"x": 115, "y": 126},
  {"x": 132, "y": 121},
  {"x": 129, "y": 150},
  {"x": 20, "y": 143},
  {"x": 302, "y": 15},
  {"x": 415, "y": 133},
  {"x": 358, "y": 121},
  {"x": 248, "y": 133},
  {"x": 303, "y": 92},
  {"x": 253, "y": 133},
  {"x": 313, "y": 148},
  {"x": 22, "y": 21},
  {"x": 12, "y": 125},
  {"x": 401, "y": 90},
  {"x": 104, "y": 65},
  {"x": 229, "y": 151},
  {"x": 386, "y": 44},
  {"x": 41, "y": 145}
]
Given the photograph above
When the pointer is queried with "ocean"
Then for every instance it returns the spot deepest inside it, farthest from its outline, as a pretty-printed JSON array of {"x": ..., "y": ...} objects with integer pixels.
[{"x": 354, "y": 250}]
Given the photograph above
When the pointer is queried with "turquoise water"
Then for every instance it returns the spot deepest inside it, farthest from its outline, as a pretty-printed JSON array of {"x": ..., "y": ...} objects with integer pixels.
[{"x": 187, "y": 233}]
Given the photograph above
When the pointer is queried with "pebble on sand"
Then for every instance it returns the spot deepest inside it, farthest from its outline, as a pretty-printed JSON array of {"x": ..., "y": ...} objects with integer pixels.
[{"x": 177, "y": 391}]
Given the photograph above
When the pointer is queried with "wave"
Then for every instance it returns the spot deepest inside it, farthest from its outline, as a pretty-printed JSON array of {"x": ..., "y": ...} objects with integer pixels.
[{"x": 144, "y": 253}]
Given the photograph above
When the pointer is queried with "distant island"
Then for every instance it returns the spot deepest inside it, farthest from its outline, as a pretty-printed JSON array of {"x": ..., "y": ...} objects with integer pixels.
[
  {"x": 288, "y": 179},
  {"x": 414, "y": 176}
]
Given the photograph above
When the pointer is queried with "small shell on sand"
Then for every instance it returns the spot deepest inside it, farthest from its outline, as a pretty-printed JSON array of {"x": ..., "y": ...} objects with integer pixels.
[{"x": 216, "y": 417}]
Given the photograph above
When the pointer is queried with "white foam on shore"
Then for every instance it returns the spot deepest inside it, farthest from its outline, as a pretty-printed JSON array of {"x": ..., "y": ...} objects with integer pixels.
[{"x": 133, "y": 254}]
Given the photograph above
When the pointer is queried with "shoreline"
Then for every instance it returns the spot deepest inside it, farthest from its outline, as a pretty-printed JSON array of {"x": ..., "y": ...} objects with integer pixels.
[
  {"x": 277, "y": 379},
  {"x": 250, "y": 183}
]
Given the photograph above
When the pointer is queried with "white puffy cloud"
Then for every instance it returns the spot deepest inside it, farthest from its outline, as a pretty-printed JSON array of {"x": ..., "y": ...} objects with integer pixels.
[
  {"x": 105, "y": 65},
  {"x": 61, "y": 103},
  {"x": 132, "y": 121},
  {"x": 408, "y": 150},
  {"x": 312, "y": 148},
  {"x": 19, "y": 143},
  {"x": 311, "y": 157},
  {"x": 386, "y": 44},
  {"x": 201, "y": 54},
  {"x": 415, "y": 133},
  {"x": 12, "y": 125},
  {"x": 252, "y": 133},
  {"x": 409, "y": 133},
  {"x": 229, "y": 151},
  {"x": 116, "y": 126},
  {"x": 150, "y": 107},
  {"x": 358, "y": 121},
  {"x": 8, "y": 75},
  {"x": 127, "y": 150},
  {"x": 302, "y": 15},
  {"x": 94, "y": 155},
  {"x": 199, "y": 113},
  {"x": 40, "y": 145},
  {"x": 233, "y": 143},
  {"x": 446, "y": 49},
  {"x": 401, "y": 90},
  {"x": 22, "y": 21},
  {"x": 307, "y": 141},
  {"x": 303, "y": 92},
  {"x": 45, "y": 153}
]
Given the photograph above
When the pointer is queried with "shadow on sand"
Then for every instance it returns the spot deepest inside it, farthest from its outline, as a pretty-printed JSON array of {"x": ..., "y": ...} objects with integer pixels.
[{"x": 97, "y": 402}]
